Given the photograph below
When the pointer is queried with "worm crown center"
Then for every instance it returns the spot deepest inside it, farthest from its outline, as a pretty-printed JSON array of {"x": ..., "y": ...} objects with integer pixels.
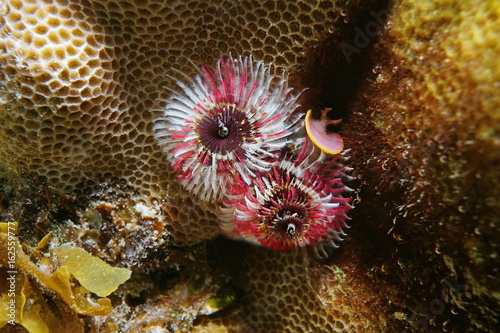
[{"x": 223, "y": 130}]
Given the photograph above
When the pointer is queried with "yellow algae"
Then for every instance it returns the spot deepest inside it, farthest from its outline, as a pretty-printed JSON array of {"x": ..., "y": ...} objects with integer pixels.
[
  {"x": 33, "y": 322},
  {"x": 31, "y": 309},
  {"x": 7, "y": 227},
  {"x": 92, "y": 273},
  {"x": 57, "y": 281},
  {"x": 44, "y": 242},
  {"x": 35, "y": 314}
]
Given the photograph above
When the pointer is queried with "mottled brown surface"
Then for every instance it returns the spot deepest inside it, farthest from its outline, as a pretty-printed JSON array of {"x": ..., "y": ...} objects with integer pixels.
[{"x": 424, "y": 134}]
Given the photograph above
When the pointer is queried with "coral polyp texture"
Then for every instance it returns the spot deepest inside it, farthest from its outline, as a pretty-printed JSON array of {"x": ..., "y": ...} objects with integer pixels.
[
  {"x": 226, "y": 124},
  {"x": 79, "y": 79},
  {"x": 298, "y": 202}
]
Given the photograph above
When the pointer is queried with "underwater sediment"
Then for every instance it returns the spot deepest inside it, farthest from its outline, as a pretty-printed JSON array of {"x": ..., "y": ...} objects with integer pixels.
[{"x": 415, "y": 85}]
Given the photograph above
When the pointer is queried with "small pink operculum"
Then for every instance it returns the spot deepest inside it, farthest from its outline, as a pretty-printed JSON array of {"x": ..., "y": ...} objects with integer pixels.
[{"x": 330, "y": 143}]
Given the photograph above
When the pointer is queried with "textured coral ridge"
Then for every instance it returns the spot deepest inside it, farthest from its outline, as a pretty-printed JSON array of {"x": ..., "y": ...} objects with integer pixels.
[
  {"x": 225, "y": 125},
  {"x": 291, "y": 292}
]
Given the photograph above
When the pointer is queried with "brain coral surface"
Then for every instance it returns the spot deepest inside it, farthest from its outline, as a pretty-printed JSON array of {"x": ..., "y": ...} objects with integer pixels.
[{"x": 79, "y": 80}]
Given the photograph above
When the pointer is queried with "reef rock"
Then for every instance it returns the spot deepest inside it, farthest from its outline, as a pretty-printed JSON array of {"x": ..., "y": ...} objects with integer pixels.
[{"x": 415, "y": 84}]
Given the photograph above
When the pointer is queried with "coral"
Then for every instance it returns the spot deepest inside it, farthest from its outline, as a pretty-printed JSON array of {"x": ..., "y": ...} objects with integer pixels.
[
  {"x": 225, "y": 125},
  {"x": 58, "y": 87},
  {"x": 283, "y": 291},
  {"x": 79, "y": 79},
  {"x": 417, "y": 95}
]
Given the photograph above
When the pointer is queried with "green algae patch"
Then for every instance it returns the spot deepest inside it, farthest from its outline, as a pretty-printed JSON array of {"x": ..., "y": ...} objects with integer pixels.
[
  {"x": 225, "y": 296},
  {"x": 92, "y": 273}
]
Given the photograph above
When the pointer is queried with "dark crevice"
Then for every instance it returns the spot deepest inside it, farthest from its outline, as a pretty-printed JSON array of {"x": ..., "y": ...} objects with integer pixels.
[
  {"x": 340, "y": 72},
  {"x": 340, "y": 63}
]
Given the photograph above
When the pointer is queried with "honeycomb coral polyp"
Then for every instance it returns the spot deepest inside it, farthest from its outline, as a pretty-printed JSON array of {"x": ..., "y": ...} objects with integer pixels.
[
  {"x": 79, "y": 80},
  {"x": 56, "y": 72}
]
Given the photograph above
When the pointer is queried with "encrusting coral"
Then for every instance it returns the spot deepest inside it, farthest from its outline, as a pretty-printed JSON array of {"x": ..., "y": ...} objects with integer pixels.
[
  {"x": 415, "y": 84},
  {"x": 93, "y": 71}
]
